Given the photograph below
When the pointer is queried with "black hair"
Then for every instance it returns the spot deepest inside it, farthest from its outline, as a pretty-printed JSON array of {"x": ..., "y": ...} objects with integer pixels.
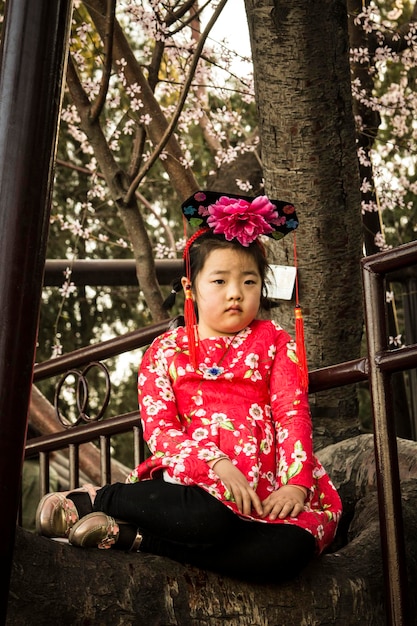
[
  {"x": 207, "y": 242},
  {"x": 204, "y": 245}
]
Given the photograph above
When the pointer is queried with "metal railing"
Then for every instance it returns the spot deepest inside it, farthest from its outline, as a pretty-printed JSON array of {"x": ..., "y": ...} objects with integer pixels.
[
  {"x": 73, "y": 438},
  {"x": 377, "y": 368}
]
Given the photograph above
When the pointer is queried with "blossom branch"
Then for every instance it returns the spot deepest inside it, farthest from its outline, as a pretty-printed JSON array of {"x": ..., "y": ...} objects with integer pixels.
[
  {"x": 157, "y": 216},
  {"x": 117, "y": 183},
  {"x": 111, "y": 171},
  {"x": 168, "y": 231},
  {"x": 182, "y": 180},
  {"x": 184, "y": 93}
]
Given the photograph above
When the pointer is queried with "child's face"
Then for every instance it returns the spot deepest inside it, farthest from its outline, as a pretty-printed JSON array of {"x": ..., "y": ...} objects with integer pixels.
[{"x": 227, "y": 292}]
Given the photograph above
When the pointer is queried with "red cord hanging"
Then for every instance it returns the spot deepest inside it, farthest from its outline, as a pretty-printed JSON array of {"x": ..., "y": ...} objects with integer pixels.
[{"x": 299, "y": 330}]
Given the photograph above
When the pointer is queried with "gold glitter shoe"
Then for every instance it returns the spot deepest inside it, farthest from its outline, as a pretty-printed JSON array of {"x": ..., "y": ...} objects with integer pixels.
[
  {"x": 98, "y": 530},
  {"x": 56, "y": 513}
]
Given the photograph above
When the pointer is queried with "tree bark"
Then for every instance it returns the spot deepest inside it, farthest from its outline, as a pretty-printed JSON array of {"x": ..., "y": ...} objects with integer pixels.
[{"x": 303, "y": 91}]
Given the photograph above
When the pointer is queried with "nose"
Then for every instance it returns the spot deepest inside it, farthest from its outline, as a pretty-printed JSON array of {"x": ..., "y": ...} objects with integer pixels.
[{"x": 234, "y": 293}]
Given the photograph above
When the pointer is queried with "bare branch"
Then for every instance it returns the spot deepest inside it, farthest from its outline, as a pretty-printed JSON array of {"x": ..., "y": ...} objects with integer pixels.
[
  {"x": 98, "y": 105},
  {"x": 137, "y": 151},
  {"x": 153, "y": 68},
  {"x": 178, "y": 15}
]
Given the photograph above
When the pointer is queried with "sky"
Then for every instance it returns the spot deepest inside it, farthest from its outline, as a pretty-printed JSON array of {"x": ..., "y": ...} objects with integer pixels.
[{"x": 232, "y": 25}]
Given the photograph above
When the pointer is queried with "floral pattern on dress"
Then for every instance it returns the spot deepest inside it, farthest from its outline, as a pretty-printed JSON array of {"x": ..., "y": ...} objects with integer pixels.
[{"x": 243, "y": 401}]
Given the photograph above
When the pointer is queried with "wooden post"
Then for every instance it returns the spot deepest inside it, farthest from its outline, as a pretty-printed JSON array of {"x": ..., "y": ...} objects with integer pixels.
[{"x": 32, "y": 60}]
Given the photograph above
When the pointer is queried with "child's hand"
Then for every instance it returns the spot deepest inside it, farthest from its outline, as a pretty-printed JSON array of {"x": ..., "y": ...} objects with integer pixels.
[
  {"x": 245, "y": 497},
  {"x": 287, "y": 500}
]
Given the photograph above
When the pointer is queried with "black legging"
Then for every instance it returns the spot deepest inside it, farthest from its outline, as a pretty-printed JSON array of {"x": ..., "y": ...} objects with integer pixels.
[{"x": 189, "y": 525}]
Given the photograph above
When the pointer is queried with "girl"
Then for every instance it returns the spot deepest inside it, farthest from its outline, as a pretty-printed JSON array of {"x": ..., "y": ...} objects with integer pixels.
[{"x": 232, "y": 484}]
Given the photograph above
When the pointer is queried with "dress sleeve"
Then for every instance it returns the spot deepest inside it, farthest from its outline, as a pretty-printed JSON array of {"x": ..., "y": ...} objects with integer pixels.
[
  {"x": 184, "y": 458},
  {"x": 291, "y": 417}
]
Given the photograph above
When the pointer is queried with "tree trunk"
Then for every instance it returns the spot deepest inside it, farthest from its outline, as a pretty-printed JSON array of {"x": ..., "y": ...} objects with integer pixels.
[
  {"x": 66, "y": 585},
  {"x": 303, "y": 91}
]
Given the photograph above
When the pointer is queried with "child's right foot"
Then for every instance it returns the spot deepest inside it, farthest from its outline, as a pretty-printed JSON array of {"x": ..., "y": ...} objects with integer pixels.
[{"x": 58, "y": 512}]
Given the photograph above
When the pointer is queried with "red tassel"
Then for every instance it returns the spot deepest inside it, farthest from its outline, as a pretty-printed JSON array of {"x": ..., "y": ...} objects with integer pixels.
[
  {"x": 191, "y": 326},
  {"x": 190, "y": 317},
  {"x": 301, "y": 347},
  {"x": 299, "y": 330}
]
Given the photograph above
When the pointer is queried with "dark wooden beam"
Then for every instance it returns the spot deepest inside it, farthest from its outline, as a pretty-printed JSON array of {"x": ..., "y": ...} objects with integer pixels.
[{"x": 32, "y": 58}]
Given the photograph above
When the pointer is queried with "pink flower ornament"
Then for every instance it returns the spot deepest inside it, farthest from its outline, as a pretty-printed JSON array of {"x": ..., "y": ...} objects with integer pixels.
[{"x": 242, "y": 220}]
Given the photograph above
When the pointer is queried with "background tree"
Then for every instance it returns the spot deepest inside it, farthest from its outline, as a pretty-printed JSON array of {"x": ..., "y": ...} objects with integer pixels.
[
  {"x": 141, "y": 119},
  {"x": 111, "y": 122},
  {"x": 383, "y": 54}
]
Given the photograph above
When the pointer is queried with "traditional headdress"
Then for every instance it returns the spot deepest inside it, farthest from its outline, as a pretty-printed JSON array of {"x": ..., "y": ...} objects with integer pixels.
[
  {"x": 244, "y": 219},
  {"x": 240, "y": 217}
]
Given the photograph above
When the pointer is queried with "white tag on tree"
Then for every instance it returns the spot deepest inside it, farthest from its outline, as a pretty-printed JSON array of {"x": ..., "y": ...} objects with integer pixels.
[{"x": 280, "y": 282}]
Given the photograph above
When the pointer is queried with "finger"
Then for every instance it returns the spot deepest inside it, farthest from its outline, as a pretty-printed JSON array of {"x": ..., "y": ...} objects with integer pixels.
[
  {"x": 238, "y": 499},
  {"x": 267, "y": 506},
  {"x": 256, "y": 503},
  {"x": 246, "y": 499},
  {"x": 298, "y": 508},
  {"x": 280, "y": 509},
  {"x": 285, "y": 511},
  {"x": 290, "y": 508},
  {"x": 273, "y": 503},
  {"x": 247, "y": 502}
]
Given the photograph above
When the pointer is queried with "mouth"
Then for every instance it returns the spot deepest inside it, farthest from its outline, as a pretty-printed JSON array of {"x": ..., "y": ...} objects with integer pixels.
[{"x": 234, "y": 309}]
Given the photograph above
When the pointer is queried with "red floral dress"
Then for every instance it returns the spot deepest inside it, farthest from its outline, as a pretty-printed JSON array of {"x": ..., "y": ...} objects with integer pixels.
[{"x": 243, "y": 401}]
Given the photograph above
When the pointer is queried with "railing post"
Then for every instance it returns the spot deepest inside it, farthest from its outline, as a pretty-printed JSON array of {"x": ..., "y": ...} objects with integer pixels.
[
  {"x": 32, "y": 57},
  {"x": 386, "y": 454}
]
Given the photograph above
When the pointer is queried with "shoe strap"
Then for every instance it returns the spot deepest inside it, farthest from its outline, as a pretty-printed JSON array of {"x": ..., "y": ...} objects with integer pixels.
[
  {"x": 112, "y": 534},
  {"x": 70, "y": 513},
  {"x": 136, "y": 543}
]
